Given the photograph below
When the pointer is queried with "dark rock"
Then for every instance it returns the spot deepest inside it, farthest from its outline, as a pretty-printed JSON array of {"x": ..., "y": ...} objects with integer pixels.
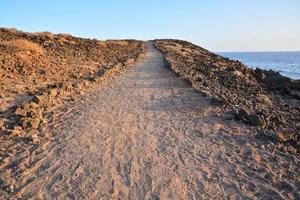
[
  {"x": 243, "y": 114},
  {"x": 298, "y": 126},
  {"x": 295, "y": 95},
  {"x": 259, "y": 74},
  {"x": 287, "y": 90},
  {"x": 33, "y": 137},
  {"x": 256, "y": 120},
  {"x": 218, "y": 100}
]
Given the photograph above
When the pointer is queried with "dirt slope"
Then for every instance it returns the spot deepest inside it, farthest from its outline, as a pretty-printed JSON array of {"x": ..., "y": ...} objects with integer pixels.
[{"x": 148, "y": 134}]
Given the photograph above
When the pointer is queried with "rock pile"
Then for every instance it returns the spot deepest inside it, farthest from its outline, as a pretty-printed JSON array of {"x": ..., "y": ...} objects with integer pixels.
[{"x": 263, "y": 99}]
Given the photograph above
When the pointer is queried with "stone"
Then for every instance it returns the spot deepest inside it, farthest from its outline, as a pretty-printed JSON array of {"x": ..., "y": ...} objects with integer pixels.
[
  {"x": 2, "y": 124},
  {"x": 284, "y": 135},
  {"x": 261, "y": 98},
  {"x": 243, "y": 113},
  {"x": 298, "y": 125},
  {"x": 218, "y": 100},
  {"x": 40, "y": 99},
  {"x": 256, "y": 120},
  {"x": 33, "y": 105},
  {"x": 259, "y": 74},
  {"x": 53, "y": 92},
  {"x": 35, "y": 122},
  {"x": 17, "y": 131},
  {"x": 26, "y": 122},
  {"x": 22, "y": 110},
  {"x": 78, "y": 85},
  {"x": 33, "y": 136},
  {"x": 86, "y": 83},
  {"x": 253, "y": 118},
  {"x": 33, "y": 119},
  {"x": 67, "y": 87},
  {"x": 11, "y": 188}
]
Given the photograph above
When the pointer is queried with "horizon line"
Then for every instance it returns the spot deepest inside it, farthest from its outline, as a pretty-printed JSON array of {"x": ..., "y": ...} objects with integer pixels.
[
  {"x": 259, "y": 51},
  {"x": 213, "y": 51}
]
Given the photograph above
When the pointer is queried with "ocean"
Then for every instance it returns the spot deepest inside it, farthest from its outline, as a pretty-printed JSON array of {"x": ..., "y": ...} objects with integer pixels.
[{"x": 286, "y": 63}]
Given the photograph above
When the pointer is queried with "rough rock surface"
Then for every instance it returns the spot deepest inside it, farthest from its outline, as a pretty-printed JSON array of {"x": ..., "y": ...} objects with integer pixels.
[
  {"x": 263, "y": 99},
  {"x": 147, "y": 134},
  {"x": 36, "y": 69}
]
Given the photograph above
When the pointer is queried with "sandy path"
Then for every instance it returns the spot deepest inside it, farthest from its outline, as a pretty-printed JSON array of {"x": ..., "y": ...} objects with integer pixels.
[{"x": 147, "y": 134}]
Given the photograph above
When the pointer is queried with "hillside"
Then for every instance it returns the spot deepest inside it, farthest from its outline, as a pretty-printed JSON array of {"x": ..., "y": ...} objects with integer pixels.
[
  {"x": 264, "y": 99},
  {"x": 37, "y": 68},
  {"x": 118, "y": 119}
]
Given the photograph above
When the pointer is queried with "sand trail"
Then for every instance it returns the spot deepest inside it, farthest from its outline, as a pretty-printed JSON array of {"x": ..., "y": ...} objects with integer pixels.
[{"x": 149, "y": 135}]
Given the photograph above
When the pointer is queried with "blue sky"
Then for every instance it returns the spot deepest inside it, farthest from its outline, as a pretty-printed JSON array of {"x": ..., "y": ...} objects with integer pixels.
[{"x": 218, "y": 25}]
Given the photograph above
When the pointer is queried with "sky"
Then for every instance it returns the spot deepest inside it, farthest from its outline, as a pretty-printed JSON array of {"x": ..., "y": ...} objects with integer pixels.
[{"x": 217, "y": 25}]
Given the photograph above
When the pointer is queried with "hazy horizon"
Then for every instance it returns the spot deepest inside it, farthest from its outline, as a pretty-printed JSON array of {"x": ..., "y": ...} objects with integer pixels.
[{"x": 231, "y": 26}]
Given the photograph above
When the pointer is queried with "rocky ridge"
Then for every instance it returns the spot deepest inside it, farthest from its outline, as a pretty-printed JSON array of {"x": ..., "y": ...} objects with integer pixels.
[
  {"x": 263, "y": 99},
  {"x": 39, "y": 70}
]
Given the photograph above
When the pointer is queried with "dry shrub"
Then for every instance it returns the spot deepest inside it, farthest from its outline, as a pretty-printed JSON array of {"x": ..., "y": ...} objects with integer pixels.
[
  {"x": 122, "y": 43},
  {"x": 101, "y": 43},
  {"x": 47, "y": 34},
  {"x": 24, "y": 45}
]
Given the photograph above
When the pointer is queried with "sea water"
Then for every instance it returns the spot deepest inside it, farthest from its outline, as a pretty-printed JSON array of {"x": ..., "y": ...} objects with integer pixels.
[{"x": 286, "y": 63}]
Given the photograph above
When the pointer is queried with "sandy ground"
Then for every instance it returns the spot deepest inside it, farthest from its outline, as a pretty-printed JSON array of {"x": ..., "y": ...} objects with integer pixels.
[{"x": 149, "y": 135}]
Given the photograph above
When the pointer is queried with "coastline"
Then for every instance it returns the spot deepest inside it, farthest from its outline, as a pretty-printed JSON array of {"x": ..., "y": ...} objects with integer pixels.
[
  {"x": 263, "y": 99},
  {"x": 287, "y": 63}
]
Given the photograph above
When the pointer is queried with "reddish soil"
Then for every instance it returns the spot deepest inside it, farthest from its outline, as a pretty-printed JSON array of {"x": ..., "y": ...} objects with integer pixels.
[{"x": 36, "y": 68}]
